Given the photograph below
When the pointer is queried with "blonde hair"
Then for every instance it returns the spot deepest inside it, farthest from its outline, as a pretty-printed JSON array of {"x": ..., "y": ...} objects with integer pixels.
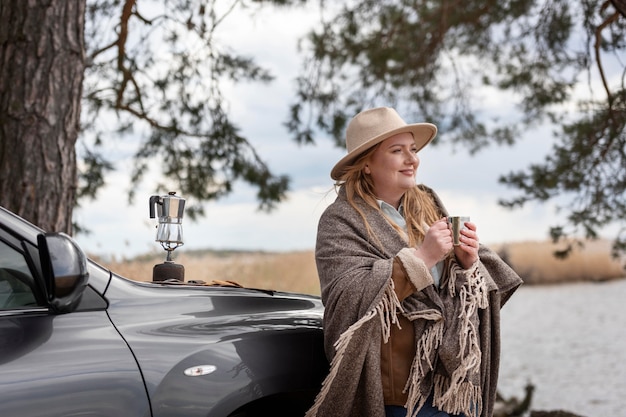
[{"x": 419, "y": 209}]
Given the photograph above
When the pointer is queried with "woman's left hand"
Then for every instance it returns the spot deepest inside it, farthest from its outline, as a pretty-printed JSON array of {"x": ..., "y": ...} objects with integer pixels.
[{"x": 467, "y": 252}]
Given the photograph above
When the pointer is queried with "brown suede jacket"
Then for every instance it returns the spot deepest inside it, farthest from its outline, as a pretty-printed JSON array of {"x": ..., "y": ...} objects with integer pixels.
[{"x": 396, "y": 356}]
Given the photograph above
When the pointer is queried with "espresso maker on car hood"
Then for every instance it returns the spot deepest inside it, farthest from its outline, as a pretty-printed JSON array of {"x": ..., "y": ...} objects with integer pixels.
[{"x": 169, "y": 210}]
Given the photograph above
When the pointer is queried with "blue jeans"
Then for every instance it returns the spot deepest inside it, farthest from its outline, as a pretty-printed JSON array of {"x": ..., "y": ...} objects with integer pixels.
[{"x": 426, "y": 411}]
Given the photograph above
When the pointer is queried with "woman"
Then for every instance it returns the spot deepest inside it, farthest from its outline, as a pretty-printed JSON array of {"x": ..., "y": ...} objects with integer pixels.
[{"x": 411, "y": 322}]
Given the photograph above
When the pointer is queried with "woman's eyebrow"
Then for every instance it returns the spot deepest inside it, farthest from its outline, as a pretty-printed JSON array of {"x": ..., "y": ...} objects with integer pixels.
[{"x": 401, "y": 145}]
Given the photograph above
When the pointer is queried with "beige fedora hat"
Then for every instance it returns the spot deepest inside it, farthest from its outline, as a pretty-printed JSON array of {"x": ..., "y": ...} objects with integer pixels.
[{"x": 373, "y": 126}]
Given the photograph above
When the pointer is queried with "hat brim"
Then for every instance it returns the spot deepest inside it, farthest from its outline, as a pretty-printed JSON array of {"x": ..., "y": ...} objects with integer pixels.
[{"x": 423, "y": 134}]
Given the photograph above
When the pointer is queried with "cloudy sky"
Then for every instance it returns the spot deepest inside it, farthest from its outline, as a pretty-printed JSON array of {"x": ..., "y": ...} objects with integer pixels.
[{"x": 467, "y": 185}]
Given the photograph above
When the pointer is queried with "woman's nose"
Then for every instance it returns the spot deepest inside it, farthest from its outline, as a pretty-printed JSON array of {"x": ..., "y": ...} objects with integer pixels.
[{"x": 412, "y": 158}]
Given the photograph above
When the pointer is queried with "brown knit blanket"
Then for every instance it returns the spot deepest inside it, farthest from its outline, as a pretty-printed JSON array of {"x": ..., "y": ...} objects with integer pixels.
[{"x": 456, "y": 325}]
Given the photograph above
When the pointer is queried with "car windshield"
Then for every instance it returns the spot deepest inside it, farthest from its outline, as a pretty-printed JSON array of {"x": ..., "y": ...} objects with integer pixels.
[{"x": 19, "y": 225}]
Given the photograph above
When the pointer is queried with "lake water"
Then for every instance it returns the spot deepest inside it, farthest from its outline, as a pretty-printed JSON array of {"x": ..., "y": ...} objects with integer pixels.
[{"x": 570, "y": 342}]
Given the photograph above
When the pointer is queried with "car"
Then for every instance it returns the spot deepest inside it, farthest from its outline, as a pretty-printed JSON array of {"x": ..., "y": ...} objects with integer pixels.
[{"x": 77, "y": 339}]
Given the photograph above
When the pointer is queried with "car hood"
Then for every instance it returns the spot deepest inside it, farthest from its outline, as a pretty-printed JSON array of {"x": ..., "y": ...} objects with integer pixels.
[{"x": 173, "y": 328}]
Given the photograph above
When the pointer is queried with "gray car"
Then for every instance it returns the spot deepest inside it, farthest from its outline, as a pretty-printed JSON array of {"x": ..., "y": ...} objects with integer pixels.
[{"x": 78, "y": 340}]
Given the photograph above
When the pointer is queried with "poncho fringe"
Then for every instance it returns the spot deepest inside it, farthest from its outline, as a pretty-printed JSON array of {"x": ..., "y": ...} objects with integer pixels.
[
  {"x": 386, "y": 310},
  {"x": 426, "y": 347},
  {"x": 456, "y": 394}
]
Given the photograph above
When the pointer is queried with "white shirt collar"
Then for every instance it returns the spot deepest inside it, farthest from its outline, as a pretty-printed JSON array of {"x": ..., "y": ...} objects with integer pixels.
[{"x": 391, "y": 212}]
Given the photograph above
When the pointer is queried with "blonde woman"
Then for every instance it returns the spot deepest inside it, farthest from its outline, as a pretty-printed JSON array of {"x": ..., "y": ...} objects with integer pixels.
[{"x": 411, "y": 321}]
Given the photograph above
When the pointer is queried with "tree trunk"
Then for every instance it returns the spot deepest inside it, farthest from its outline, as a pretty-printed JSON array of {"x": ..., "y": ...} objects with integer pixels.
[{"x": 41, "y": 74}]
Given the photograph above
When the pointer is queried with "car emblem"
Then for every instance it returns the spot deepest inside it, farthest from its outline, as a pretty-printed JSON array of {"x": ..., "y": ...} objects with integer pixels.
[{"x": 200, "y": 370}]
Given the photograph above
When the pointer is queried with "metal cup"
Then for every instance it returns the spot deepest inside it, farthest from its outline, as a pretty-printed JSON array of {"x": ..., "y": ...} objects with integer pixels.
[{"x": 457, "y": 223}]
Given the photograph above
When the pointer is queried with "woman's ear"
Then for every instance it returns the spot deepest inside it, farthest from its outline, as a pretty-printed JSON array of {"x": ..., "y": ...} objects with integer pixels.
[{"x": 366, "y": 169}]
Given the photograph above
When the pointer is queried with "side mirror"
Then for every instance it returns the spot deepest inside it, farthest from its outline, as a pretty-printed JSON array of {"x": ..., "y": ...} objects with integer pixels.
[{"x": 64, "y": 267}]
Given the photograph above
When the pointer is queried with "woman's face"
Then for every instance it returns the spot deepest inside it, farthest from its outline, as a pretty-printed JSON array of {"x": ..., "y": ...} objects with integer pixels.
[{"x": 392, "y": 167}]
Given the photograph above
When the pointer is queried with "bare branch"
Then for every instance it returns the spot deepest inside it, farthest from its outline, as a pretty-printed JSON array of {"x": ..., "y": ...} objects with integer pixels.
[
  {"x": 597, "y": 45},
  {"x": 620, "y": 5}
]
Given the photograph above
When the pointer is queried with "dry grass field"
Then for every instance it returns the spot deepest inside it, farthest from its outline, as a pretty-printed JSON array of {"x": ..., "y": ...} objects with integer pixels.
[
  {"x": 535, "y": 263},
  {"x": 295, "y": 271}
]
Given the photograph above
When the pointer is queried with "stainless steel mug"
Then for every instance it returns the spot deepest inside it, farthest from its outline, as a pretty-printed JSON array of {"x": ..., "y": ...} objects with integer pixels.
[{"x": 457, "y": 223}]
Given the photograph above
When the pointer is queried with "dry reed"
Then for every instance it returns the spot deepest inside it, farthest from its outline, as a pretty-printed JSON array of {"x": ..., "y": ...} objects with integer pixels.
[
  {"x": 536, "y": 264},
  {"x": 296, "y": 271},
  {"x": 289, "y": 271}
]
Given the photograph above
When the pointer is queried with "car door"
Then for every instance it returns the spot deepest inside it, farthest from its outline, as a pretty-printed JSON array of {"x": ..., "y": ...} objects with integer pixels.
[{"x": 73, "y": 364}]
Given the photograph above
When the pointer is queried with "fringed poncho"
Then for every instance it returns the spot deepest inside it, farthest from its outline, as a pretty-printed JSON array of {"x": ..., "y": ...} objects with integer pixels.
[{"x": 456, "y": 325}]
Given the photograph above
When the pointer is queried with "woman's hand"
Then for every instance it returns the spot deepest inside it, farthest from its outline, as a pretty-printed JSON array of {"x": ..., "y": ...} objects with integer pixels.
[
  {"x": 437, "y": 243},
  {"x": 467, "y": 252}
]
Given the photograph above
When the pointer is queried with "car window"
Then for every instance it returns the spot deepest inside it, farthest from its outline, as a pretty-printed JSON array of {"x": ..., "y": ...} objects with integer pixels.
[{"x": 17, "y": 285}]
